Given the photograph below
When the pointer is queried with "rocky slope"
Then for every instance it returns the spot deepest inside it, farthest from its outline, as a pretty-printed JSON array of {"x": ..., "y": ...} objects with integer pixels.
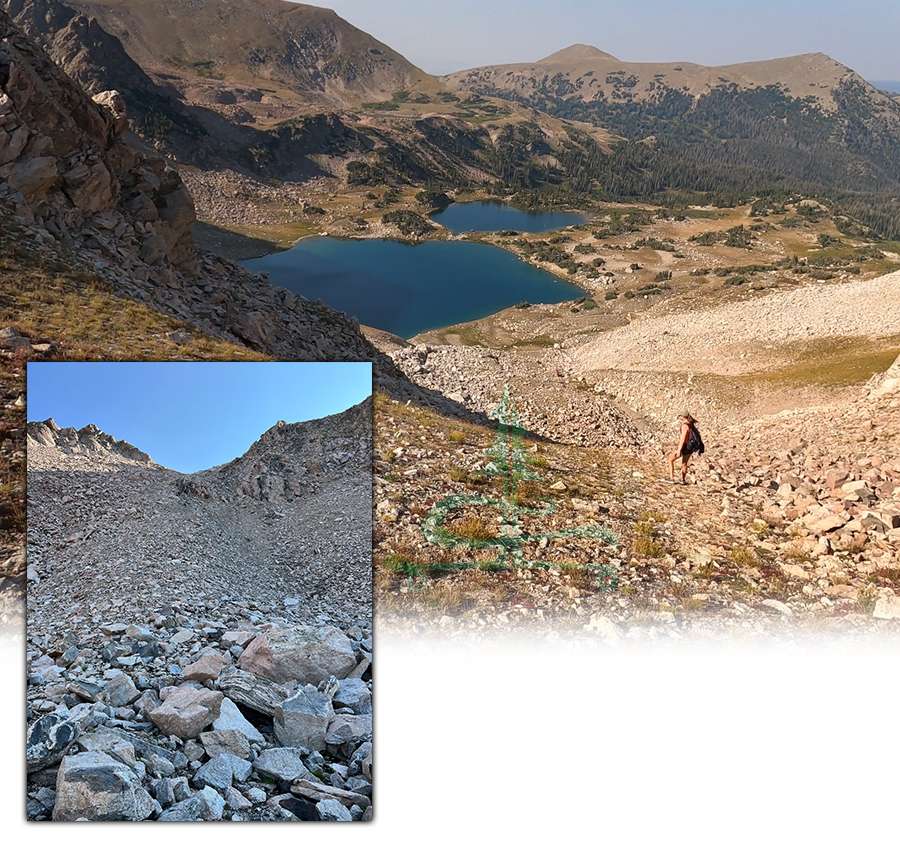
[
  {"x": 789, "y": 526},
  {"x": 248, "y": 584},
  {"x": 85, "y": 198}
]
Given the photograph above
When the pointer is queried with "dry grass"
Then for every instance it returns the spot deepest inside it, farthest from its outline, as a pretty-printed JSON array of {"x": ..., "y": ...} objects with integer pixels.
[
  {"x": 745, "y": 556},
  {"x": 471, "y": 527},
  {"x": 89, "y": 322},
  {"x": 834, "y": 362}
]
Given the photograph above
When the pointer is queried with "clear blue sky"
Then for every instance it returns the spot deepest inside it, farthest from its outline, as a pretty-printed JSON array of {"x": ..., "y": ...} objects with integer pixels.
[
  {"x": 441, "y": 36},
  {"x": 192, "y": 416}
]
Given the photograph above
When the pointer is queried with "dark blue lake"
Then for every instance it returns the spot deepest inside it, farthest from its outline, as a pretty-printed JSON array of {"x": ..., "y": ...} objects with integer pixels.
[
  {"x": 408, "y": 289},
  {"x": 487, "y": 216}
]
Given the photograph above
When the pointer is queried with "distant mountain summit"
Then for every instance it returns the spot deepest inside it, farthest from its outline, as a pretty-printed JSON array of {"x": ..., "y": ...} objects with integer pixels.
[
  {"x": 577, "y": 53},
  {"x": 801, "y": 123},
  {"x": 307, "y": 49}
]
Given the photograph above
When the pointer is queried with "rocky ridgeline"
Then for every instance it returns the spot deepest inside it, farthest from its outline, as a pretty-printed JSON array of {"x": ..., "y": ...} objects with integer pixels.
[
  {"x": 89, "y": 439},
  {"x": 548, "y": 401},
  {"x": 289, "y": 520},
  {"x": 199, "y": 645},
  {"x": 199, "y": 713}
]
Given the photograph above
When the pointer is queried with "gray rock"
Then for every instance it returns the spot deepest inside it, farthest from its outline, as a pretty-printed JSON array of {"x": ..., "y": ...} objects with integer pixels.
[
  {"x": 193, "y": 751},
  {"x": 236, "y": 800},
  {"x": 49, "y": 738},
  {"x": 216, "y": 773},
  {"x": 305, "y": 653},
  {"x": 187, "y": 711},
  {"x": 230, "y": 717},
  {"x": 119, "y": 691},
  {"x": 349, "y": 729},
  {"x": 281, "y": 763},
  {"x": 256, "y": 795},
  {"x": 163, "y": 790},
  {"x": 356, "y": 760},
  {"x": 110, "y": 743},
  {"x": 147, "y": 701},
  {"x": 205, "y": 805},
  {"x": 159, "y": 766},
  {"x": 97, "y": 787},
  {"x": 360, "y": 785},
  {"x": 231, "y": 741},
  {"x": 333, "y": 810},
  {"x": 353, "y": 694},
  {"x": 302, "y": 720}
]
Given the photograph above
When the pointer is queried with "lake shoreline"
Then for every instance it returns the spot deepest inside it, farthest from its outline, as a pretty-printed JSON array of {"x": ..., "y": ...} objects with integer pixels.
[{"x": 411, "y": 287}]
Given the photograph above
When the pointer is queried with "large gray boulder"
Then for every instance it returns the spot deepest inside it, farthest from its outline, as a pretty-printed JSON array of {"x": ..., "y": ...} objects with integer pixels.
[
  {"x": 230, "y": 717},
  {"x": 305, "y": 653},
  {"x": 187, "y": 711},
  {"x": 302, "y": 720},
  {"x": 97, "y": 787}
]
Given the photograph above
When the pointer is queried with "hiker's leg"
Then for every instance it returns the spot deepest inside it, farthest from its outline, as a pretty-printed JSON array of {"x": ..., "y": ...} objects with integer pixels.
[{"x": 672, "y": 458}]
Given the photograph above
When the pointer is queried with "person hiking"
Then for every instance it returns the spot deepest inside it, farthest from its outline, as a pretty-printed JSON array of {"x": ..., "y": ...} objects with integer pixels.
[{"x": 688, "y": 443}]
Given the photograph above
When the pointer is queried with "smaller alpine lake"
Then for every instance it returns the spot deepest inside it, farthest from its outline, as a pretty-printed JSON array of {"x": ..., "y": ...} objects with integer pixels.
[
  {"x": 486, "y": 216},
  {"x": 408, "y": 289}
]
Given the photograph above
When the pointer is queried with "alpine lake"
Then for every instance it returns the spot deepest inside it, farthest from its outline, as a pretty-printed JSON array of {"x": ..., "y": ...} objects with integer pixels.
[{"x": 407, "y": 289}]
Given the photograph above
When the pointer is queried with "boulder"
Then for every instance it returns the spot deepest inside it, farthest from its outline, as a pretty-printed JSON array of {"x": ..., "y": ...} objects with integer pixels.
[
  {"x": 205, "y": 805},
  {"x": 230, "y": 741},
  {"x": 95, "y": 786},
  {"x": 48, "y": 739},
  {"x": 187, "y": 711},
  {"x": 230, "y": 717},
  {"x": 302, "y": 720},
  {"x": 205, "y": 667},
  {"x": 221, "y": 770},
  {"x": 353, "y": 694},
  {"x": 333, "y": 810},
  {"x": 281, "y": 763},
  {"x": 305, "y": 653}
]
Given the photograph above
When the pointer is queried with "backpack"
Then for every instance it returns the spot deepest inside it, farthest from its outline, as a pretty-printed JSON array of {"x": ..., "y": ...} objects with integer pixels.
[{"x": 694, "y": 442}]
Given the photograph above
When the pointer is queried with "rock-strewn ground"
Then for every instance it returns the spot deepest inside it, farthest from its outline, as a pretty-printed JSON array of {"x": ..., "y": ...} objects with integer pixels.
[
  {"x": 789, "y": 523},
  {"x": 166, "y": 617}
]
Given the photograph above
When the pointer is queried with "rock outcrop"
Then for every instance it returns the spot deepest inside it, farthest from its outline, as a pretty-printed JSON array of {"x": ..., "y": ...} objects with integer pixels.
[{"x": 65, "y": 163}]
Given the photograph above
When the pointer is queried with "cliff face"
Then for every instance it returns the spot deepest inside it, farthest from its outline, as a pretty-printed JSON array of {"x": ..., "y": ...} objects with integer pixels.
[
  {"x": 65, "y": 165},
  {"x": 97, "y": 61}
]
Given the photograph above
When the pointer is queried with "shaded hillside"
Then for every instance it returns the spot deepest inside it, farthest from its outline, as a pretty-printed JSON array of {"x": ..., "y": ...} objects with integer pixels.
[
  {"x": 98, "y": 62},
  {"x": 307, "y": 49},
  {"x": 804, "y": 123},
  {"x": 290, "y": 92}
]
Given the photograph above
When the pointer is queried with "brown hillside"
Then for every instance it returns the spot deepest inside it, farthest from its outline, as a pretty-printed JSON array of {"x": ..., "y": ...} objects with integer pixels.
[{"x": 305, "y": 48}]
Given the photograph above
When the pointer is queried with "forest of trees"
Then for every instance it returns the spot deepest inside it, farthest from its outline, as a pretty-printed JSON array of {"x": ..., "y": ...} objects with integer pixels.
[{"x": 725, "y": 148}]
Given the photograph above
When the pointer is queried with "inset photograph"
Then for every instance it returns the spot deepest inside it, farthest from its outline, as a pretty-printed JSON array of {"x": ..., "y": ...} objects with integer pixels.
[{"x": 199, "y": 612}]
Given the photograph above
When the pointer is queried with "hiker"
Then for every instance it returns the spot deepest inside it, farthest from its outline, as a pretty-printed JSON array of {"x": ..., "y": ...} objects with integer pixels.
[{"x": 689, "y": 442}]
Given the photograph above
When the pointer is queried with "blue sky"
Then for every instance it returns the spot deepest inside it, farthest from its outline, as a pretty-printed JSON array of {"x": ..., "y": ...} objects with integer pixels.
[
  {"x": 441, "y": 36},
  {"x": 192, "y": 416}
]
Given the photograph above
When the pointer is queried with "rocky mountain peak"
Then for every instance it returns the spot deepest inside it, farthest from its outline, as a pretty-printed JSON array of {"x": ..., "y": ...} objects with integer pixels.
[
  {"x": 89, "y": 440},
  {"x": 292, "y": 460}
]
